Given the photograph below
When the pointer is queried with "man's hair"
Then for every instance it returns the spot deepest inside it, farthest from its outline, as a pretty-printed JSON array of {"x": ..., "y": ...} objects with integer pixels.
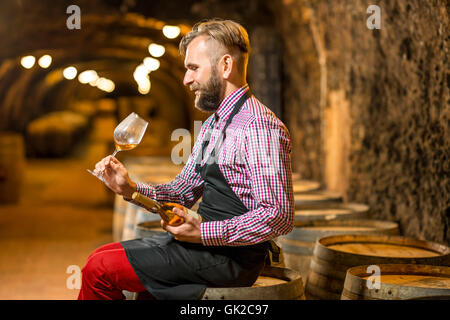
[{"x": 229, "y": 34}]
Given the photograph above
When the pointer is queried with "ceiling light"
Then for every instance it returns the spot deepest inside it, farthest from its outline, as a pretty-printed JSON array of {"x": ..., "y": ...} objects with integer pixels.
[
  {"x": 151, "y": 64},
  {"x": 87, "y": 76},
  {"x": 105, "y": 84},
  {"x": 45, "y": 61},
  {"x": 156, "y": 50},
  {"x": 140, "y": 73},
  {"x": 27, "y": 62},
  {"x": 171, "y": 32},
  {"x": 70, "y": 73}
]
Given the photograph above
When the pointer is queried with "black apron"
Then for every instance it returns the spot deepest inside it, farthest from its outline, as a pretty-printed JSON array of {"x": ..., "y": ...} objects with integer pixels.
[{"x": 171, "y": 269}]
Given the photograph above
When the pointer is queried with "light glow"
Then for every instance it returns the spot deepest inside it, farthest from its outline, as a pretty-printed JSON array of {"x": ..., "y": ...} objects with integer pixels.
[
  {"x": 105, "y": 84},
  {"x": 70, "y": 73},
  {"x": 156, "y": 50},
  {"x": 27, "y": 62},
  {"x": 151, "y": 64},
  {"x": 87, "y": 76},
  {"x": 171, "y": 32},
  {"x": 45, "y": 61}
]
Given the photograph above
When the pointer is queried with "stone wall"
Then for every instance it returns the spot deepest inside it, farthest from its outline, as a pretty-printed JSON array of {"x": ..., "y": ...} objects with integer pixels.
[{"x": 368, "y": 109}]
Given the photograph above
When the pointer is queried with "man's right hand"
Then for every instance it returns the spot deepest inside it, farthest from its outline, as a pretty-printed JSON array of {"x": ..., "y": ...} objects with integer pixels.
[{"x": 115, "y": 176}]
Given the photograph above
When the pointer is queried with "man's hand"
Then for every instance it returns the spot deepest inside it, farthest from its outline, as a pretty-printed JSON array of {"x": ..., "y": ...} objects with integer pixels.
[
  {"x": 115, "y": 176},
  {"x": 188, "y": 231}
]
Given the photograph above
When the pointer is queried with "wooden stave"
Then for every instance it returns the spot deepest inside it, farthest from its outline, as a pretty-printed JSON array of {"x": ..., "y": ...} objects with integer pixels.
[
  {"x": 292, "y": 290},
  {"x": 129, "y": 222},
  {"x": 300, "y": 231},
  {"x": 302, "y": 186},
  {"x": 141, "y": 228},
  {"x": 355, "y": 287},
  {"x": 148, "y": 229},
  {"x": 298, "y": 246},
  {"x": 120, "y": 207},
  {"x": 12, "y": 166},
  {"x": 335, "y": 273},
  {"x": 356, "y": 211},
  {"x": 308, "y": 238},
  {"x": 300, "y": 199}
]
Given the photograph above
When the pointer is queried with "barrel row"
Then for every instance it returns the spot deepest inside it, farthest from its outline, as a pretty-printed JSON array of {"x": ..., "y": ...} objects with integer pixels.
[
  {"x": 397, "y": 281},
  {"x": 376, "y": 266},
  {"x": 55, "y": 134},
  {"x": 321, "y": 215}
]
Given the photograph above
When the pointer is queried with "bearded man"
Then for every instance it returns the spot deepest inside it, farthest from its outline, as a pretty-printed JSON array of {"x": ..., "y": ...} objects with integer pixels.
[{"x": 241, "y": 167}]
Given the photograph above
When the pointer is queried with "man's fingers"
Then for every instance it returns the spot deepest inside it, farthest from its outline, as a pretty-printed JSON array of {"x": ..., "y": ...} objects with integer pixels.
[
  {"x": 114, "y": 160},
  {"x": 179, "y": 212}
]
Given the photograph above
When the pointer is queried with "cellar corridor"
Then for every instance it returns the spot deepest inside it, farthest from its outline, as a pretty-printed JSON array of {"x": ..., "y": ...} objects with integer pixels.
[{"x": 64, "y": 213}]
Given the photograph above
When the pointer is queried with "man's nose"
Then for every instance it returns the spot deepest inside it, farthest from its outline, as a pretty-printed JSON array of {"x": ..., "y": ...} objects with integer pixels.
[{"x": 187, "y": 79}]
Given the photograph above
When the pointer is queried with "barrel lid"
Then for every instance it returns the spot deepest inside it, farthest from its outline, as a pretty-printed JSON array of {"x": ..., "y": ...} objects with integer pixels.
[
  {"x": 397, "y": 281},
  {"x": 330, "y": 211},
  {"x": 290, "y": 287},
  {"x": 301, "y": 186},
  {"x": 313, "y": 197},
  {"x": 341, "y": 246},
  {"x": 316, "y": 229}
]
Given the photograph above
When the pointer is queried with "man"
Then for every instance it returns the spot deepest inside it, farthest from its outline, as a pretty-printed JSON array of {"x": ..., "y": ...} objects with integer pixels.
[{"x": 239, "y": 165}]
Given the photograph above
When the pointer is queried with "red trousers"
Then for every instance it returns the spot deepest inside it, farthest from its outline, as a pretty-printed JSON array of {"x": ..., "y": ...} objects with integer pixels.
[{"x": 107, "y": 272}]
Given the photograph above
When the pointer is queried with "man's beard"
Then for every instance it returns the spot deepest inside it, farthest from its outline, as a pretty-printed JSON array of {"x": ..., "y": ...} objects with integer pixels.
[{"x": 209, "y": 96}]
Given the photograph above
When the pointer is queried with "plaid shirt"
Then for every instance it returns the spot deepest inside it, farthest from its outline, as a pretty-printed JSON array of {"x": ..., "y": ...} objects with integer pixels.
[{"x": 255, "y": 159}]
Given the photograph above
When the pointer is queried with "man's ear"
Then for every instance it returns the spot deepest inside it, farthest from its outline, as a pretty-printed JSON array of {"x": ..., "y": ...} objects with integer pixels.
[{"x": 227, "y": 66}]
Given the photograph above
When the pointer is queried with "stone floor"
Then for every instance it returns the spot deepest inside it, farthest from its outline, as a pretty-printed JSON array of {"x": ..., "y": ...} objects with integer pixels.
[{"x": 64, "y": 213}]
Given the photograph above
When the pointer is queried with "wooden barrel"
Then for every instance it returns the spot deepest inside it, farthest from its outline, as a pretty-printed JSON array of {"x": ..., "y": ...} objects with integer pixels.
[
  {"x": 316, "y": 197},
  {"x": 12, "y": 167},
  {"x": 120, "y": 207},
  {"x": 55, "y": 133},
  {"x": 397, "y": 282},
  {"x": 130, "y": 221},
  {"x": 298, "y": 245},
  {"x": 331, "y": 211},
  {"x": 273, "y": 284},
  {"x": 148, "y": 229},
  {"x": 301, "y": 186},
  {"x": 333, "y": 255},
  {"x": 142, "y": 216},
  {"x": 296, "y": 176}
]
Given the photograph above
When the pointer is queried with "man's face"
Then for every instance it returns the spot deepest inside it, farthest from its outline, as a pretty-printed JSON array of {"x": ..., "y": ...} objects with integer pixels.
[{"x": 201, "y": 76}]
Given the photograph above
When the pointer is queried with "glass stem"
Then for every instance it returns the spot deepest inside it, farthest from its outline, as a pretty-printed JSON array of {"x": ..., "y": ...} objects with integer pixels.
[{"x": 115, "y": 152}]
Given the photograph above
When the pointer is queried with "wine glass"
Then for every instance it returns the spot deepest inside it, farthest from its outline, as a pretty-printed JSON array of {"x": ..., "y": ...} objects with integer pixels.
[{"x": 127, "y": 135}]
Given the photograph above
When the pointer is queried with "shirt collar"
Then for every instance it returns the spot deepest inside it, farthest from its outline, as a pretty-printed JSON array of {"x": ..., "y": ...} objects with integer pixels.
[{"x": 227, "y": 104}]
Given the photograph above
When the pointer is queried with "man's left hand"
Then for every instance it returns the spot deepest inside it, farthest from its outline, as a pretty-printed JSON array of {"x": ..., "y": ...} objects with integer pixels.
[{"x": 188, "y": 231}]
